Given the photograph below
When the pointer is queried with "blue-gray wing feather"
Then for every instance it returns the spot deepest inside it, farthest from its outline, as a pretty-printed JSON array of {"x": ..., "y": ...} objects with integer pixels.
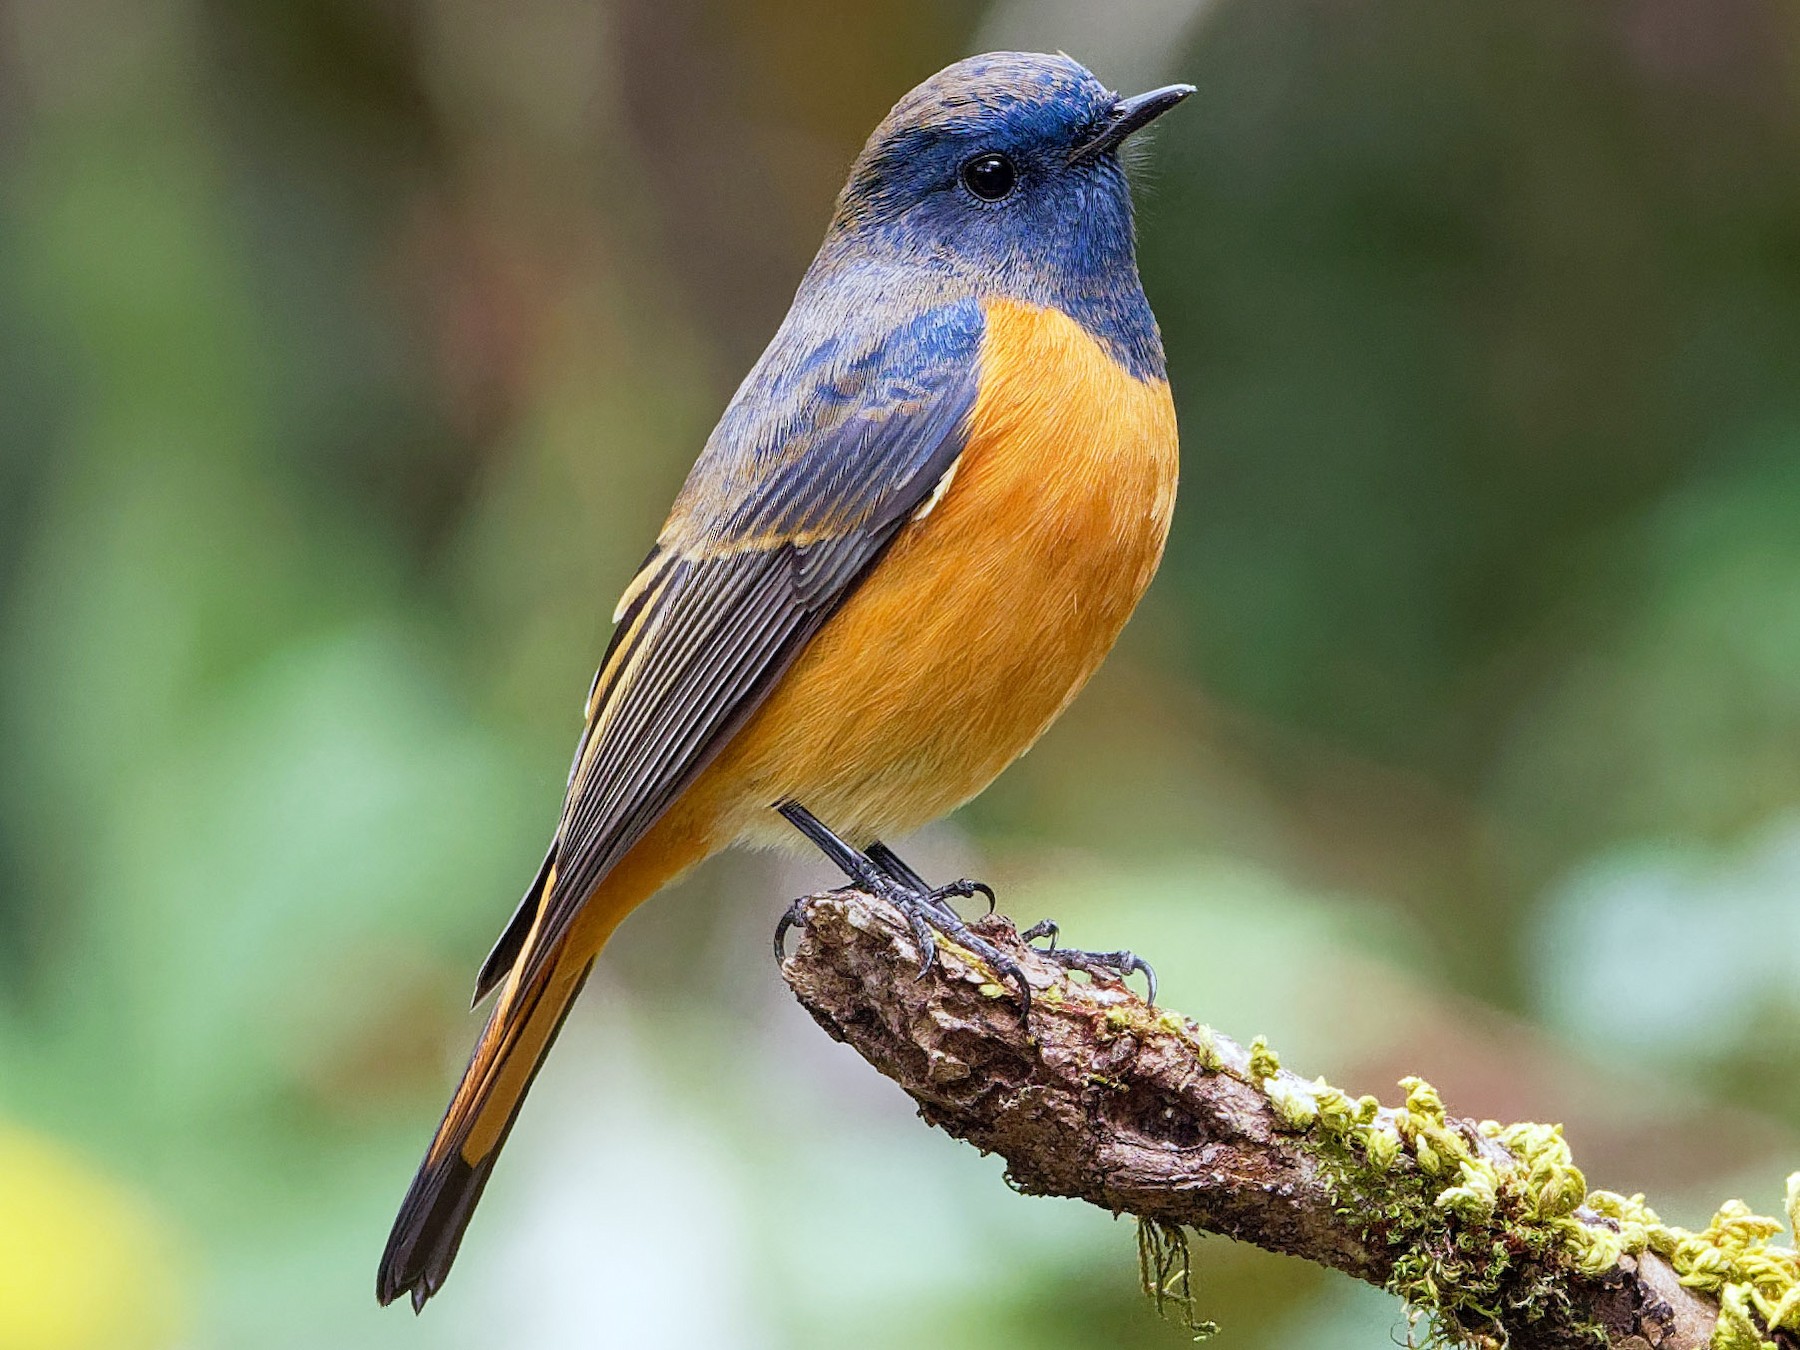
[{"x": 826, "y": 452}]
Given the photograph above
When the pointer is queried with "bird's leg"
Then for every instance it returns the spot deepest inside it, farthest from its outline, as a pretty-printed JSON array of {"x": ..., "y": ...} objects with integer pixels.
[
  {"x": 896, "y": 867},
  {"x": 1112, "y": 965},
  {"x": 927, "y": 908}
]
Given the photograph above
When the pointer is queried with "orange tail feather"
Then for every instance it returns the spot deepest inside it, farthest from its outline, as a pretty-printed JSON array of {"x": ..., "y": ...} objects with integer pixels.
[
  {"x": 442, "y": 1198},
  {"x": 512, "y": 1047}
]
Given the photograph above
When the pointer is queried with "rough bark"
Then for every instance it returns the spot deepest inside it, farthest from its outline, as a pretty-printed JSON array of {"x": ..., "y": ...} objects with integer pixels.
[{"x": 1097, "y": 1098}]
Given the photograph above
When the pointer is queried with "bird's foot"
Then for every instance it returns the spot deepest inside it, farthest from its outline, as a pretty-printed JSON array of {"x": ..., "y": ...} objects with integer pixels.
[
  {"x": 794, "y": 917},
  {"x": 926, "y": 908},
  {"x": 1115, "y": 966}
]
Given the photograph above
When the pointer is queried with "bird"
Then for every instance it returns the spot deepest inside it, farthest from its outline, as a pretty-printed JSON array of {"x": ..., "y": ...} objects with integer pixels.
[{"x": 917, "y": 529}]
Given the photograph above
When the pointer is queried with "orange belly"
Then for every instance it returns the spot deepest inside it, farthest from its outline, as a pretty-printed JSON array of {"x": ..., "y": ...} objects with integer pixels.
[{"x": 991, "y": 610}]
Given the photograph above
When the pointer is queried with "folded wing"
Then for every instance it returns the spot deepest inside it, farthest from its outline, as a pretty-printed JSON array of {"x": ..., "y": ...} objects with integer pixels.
[{"x": 827, "y": 451}]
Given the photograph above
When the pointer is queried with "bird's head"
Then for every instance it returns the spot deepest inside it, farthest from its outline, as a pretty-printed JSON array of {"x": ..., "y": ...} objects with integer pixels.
[{"x": 999, "y": 160}]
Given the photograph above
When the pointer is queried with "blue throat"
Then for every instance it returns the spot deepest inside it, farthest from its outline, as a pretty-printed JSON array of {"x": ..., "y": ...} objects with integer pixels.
[
  {"x": 1089, "y": 275},
  {"x": 1070, "y": 249}
]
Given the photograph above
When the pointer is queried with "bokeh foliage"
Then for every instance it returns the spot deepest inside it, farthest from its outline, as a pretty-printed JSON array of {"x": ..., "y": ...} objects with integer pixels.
[{"x": 349, "y": 352}]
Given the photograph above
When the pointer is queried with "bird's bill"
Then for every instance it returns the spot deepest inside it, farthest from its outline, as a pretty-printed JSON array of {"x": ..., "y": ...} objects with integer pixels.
[{"x": 1129, "y": 115}]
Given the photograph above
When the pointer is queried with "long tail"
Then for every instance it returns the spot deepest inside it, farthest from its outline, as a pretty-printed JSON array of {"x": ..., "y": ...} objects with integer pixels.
[
  {"x": 512, "y": 1047},
  {"x": 442, "y": 1199}
]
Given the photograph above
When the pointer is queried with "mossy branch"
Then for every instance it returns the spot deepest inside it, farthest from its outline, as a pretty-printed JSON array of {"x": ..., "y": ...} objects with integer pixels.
[{"x": 1488, "y": 1231}]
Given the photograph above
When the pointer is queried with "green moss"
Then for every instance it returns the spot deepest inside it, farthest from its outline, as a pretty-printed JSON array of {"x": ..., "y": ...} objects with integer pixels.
[
  {"x": 1264, "y": 1062},
  {"x": 1206, "y": 1046},
  {"x": 1166, "y": 1269},
  {"x": 1470, "y": 1236},
  {"x": 1469, "y": 1233}
]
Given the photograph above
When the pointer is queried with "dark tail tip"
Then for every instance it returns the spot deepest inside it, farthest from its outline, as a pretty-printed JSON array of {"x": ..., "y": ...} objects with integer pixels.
[
  {"x": 430, "y": 1228},
  {"x": 441, "y": 1201}
]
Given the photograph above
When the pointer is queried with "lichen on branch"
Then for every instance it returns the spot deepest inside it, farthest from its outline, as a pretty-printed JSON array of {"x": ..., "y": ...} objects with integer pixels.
[{"x": 1488, "y": 1231}]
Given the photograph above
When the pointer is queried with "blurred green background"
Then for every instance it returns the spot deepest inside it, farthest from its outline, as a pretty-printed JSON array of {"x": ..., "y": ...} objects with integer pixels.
[{"x": 350, "y": 352}]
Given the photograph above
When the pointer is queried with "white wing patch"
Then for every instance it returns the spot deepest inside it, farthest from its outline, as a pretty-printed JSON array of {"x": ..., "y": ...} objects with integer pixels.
[{"x": 937, "y": 493}]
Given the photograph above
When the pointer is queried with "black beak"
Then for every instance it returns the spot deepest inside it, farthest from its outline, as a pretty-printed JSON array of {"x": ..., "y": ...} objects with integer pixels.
[{"x": 1129, "y": 115}]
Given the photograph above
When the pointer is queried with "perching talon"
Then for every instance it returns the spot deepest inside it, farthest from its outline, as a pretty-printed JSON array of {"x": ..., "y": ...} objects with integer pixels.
[
  {"x": 927, "y": 908},
  {"x": 896, "y": 867},
  {"x": 1110, "y": 965},
  {"x": 795, "y": 917}
]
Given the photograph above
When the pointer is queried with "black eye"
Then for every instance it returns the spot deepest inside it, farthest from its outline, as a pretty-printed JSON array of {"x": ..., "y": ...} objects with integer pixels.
[{"x": 989, "y": 176}]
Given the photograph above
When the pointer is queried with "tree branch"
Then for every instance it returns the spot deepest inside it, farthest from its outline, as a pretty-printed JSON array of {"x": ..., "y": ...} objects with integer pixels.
[{"x": 1138, "y": 1111}]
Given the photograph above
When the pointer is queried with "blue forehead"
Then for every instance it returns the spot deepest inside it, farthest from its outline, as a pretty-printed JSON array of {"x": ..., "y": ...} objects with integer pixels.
[
  {"x": 1011, "y": 85},
  {"x": 1015, "y": 98}
]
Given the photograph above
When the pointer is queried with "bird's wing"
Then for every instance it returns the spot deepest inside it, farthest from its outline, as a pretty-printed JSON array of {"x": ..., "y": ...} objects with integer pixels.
[{"x": 827, "y": 450}]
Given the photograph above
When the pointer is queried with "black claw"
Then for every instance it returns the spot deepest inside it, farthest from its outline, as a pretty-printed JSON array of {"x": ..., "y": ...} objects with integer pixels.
[
  {"x": 897, "y": 867},
  {"x": 1144, "y": 968},
  {"x": 927, "y": 944},
  {"x": 1009, "y": 969},
  {"x": 963, "y": 890},
  {"x": 1113, "y": 965},
  {"x": 794, "y": 918}
]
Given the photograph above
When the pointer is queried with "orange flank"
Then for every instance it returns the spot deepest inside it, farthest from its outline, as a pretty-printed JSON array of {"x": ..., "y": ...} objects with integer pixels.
[{"x": 992, "y": 609}]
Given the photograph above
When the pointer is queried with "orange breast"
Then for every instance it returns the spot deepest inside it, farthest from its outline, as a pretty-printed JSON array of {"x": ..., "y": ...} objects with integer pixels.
[{"x": 991, "y": 610}]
